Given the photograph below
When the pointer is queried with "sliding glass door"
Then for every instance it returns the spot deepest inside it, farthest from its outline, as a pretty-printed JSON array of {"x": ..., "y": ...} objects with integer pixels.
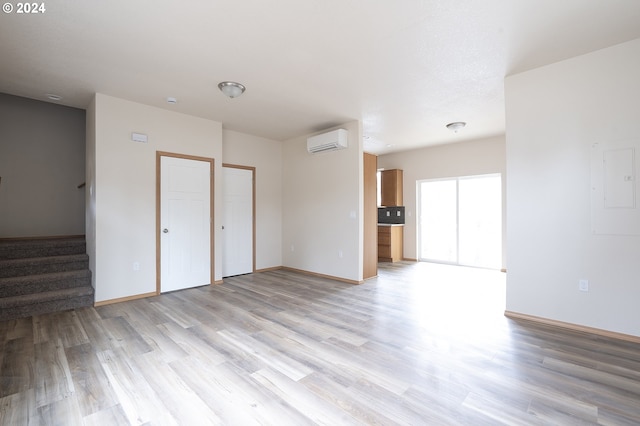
[
  {"x": 439, "y": 221},
  {"x": 460, "y": 221}
]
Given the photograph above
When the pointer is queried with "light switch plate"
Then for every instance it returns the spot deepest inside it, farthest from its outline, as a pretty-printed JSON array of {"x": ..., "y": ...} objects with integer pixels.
[{"x": 583, "y": 285}]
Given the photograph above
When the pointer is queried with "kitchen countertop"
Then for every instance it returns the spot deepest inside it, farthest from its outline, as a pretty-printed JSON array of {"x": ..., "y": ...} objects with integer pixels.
[{"x": 391, "y": 224}]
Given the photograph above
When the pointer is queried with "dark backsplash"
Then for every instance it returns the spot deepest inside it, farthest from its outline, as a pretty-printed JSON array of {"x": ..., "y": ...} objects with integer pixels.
[{"x": 393, "y": 215}]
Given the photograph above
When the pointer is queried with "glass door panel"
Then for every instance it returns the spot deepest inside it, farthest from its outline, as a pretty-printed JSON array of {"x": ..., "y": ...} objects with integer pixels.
[
  {"x": 480, "y": 221},
  {"x": 438, "y": 221}
]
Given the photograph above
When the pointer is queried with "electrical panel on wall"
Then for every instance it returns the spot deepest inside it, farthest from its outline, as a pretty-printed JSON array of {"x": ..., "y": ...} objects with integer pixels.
[{"x": 614, "y": 191}]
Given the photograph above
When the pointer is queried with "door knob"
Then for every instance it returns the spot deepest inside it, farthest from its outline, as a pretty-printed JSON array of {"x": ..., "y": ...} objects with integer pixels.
[{"x": 165, "y": 230}]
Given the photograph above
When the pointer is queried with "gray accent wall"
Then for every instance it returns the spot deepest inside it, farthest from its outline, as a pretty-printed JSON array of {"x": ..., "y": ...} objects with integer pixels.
[{"x": 42, "y": 162}]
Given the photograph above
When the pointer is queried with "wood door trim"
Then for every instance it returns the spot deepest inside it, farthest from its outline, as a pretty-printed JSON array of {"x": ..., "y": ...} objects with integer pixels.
[
  {"x": 211, "y": 161},
  {"x": 253, "y": 206},
  {"x": 370, "y": 217}
]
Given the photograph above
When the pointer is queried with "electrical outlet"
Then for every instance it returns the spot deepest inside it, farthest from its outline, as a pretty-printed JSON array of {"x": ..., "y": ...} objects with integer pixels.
[
  {"x": 293, "y": 248},
  {"x": 583, "y": 285},
  {"x": 340, "y": 254},
  {"x": 136, "y": 266}
]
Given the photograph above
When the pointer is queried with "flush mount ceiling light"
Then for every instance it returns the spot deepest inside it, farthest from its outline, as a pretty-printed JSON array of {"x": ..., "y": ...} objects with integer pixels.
[
  {"x": 53, "y": 97},
  {"x": 456, "y": 125},
  {"x": 231, "y": 88},
  {"x": 172, "y": 100}
]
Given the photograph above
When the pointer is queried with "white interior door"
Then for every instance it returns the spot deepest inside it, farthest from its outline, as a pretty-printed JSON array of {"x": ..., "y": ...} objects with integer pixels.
[
  {"x": 237, "y": 233},
  {"x": 185, "y": 223}
]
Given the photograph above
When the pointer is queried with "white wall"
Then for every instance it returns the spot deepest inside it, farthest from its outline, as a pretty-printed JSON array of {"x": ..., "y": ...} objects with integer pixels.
[
  {"x": 554, "y": 115},
  {"x": 124, "y": 188},
  {"x": 266, "y": 156},
  {"x": 485, "y": 156},
  {"x": 322, "y": 207},
  {"x": 42, "y": 150}
]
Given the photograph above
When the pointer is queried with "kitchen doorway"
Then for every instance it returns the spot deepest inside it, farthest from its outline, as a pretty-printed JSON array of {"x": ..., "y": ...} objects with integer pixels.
[{"x": 460, "y": 221}]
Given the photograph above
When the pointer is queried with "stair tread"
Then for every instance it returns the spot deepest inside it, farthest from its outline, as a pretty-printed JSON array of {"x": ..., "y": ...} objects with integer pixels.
[
  {"x": 46, "y": 259},
  {"x": 32, "y": 248},
  {"x": 41, "y": 241},
  {"x": 43, "y": 265},
  {"x": 46, "y": 296},
  {"x": 76, "y": 273}
]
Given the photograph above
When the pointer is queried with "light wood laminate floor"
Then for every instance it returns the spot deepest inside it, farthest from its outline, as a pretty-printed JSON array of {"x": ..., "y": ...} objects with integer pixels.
[{"x": 420, "y": 344}]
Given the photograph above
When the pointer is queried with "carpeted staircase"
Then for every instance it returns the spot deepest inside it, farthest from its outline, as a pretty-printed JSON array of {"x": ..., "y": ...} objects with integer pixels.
[{"x": 42, "y": 276}]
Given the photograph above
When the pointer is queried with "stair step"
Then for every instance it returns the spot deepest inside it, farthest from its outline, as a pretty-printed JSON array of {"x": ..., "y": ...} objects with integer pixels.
[
  {"x": 28, "y": 248},
  {"x": 45, "y": 302},
  {"x": 25, "y": 284},
  {"x": 39, "y": 276},
  {"x": 45, "y": 296},
  {"x": 42, "y": 265}
]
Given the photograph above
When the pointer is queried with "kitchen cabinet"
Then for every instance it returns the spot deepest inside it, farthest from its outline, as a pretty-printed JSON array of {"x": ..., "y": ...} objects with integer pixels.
[
  {"x": 391, "y": 187},
  {"x": 390, "y": 243}
]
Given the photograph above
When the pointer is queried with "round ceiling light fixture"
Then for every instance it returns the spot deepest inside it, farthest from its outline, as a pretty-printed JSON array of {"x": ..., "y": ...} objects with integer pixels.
[
  {"x": 456, "y": 125},
  {"x": 231, "y": 88},
  {"x": 53, "y": 97}
]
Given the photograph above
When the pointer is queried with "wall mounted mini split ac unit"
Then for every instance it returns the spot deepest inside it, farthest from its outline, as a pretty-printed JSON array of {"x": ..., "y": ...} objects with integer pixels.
[{"x": 329, "y": 141}]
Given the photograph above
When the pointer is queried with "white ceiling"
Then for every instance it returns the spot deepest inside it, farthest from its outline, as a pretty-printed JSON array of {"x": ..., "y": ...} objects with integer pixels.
[{"x": 405, "y": 68}]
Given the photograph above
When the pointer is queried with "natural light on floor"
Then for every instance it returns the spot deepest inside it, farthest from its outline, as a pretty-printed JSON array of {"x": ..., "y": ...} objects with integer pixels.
[{"x": 457, "y": 302}]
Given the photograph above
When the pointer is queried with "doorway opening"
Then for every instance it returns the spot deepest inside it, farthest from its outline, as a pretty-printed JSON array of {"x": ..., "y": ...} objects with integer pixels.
[{"x": 460, "y": 221}]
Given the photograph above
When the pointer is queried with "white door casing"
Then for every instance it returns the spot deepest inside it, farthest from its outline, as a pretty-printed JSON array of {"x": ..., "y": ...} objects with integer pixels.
[{"x": 185, "y": 223}]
